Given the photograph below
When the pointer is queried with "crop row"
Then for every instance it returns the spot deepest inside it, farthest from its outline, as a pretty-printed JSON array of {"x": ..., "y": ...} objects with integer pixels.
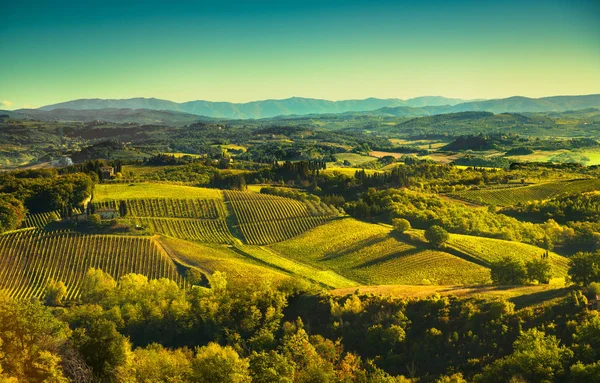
[
  {"x": 513, "y": 196},
  {"x": 205, "y": 230},
  {"x": 30, "y": 258},
  {"x": 265, "y": 219},
  {"x": 40, "y": 220},
  {"x": 170, "y": 207}
]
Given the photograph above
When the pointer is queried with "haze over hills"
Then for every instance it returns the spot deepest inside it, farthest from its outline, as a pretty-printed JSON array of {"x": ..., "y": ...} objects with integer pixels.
[
  {"x": 255, "y": 109},
  {"x": 421, "y": 106}
]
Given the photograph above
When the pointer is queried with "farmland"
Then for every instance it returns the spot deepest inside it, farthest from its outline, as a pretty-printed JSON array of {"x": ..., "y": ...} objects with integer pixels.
[
  {"x": 142, "y": 190},
  {"x": 368, "y": 254},
  {"x": 30, "y": 258},
  {"x": 265, "y": 219},
  {"x": 170, "y": 207},
  {"x": 508, "y": 196}
]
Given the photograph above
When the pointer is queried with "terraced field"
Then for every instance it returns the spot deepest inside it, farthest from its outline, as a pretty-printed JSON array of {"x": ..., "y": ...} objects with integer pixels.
[
  {"x": 515, "y": 195},
  {"x": 30, "y": 258},
  {"x": 265, "y": 219},
  {"x": 368, "y": 254}
]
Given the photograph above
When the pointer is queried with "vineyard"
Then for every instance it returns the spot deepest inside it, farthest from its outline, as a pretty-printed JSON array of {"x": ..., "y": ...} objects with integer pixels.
[
  {"x": 368, "y": 254},
  {"x": 265, "y": 219},
  {"x": 30, "y": 258},
  {"x": 205, "y": 230},
  {"x": 40, "y": 220},
  {"x": 170, "y": 207},
  {"x": 513, "y": 196},
  {"x": 489, "y": 250}
]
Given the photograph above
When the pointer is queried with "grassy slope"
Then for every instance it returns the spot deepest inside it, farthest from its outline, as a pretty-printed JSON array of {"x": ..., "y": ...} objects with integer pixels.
[
  {"x": 490, "y": 250},
  {"x": 512, "y": 196},
  {"x": 106, "y": 192},
  {"x": 368, "y": 254},
  {"x": 324, "y": 277},
  {"x": 211, "y": 258}
]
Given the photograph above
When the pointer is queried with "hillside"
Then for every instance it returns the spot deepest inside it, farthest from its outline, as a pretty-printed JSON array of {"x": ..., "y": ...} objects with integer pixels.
[
  {"x": 507, "y": 196},
  {"x": 428, "y": 105},
  {"x": 29, "y": 259},
  {"x": 368, "y": 254}
]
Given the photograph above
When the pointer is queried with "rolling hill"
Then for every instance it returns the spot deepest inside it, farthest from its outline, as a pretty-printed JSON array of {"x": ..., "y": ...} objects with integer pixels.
[{"x": 420, "y": 106}]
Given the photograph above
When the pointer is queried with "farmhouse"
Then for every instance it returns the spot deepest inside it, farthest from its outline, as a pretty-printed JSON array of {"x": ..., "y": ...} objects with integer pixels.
[
  {"x": 107, "y": 172},
  {"x": 107, "y": 212}
]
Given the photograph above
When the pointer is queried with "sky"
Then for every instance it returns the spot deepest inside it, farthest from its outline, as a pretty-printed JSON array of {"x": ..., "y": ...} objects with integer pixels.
[{"x": 239, "y": 51}]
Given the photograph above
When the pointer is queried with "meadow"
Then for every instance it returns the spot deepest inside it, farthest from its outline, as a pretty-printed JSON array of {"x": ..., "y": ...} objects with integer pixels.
[{"x": 144, "y": 190}]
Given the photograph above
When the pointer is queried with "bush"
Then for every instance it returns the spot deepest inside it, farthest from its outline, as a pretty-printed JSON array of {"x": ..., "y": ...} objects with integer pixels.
[
  {"x": 539, "y": 270},
  {"x": 508, "y": 271},
  {"x": 94, "y": 219},
  {"x": 593, "y": 289},
  {"x": 437, "y": 236},
  {"x": 55, "y": 293},
  {"x": 401, "y": 225}
]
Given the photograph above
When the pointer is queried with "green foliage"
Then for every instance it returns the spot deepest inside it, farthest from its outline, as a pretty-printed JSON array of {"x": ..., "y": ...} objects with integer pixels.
[
  {"x": 55, "y": 293},
  {"x": 94, "y": 219},
  {"x": 436, "y": 236},
  {"x": 216, "y": 364},
  {"x": 584, "y": 268},
  {"x": 271, "y": 367},
  {"x": 156, "y": 364},
  {"x": 96, "y": 286},
  {"x": 539, "y": 270},
  {"x": 401, "y": 225},
  {"x": 30, "y": 341},
  {"x": 537, "y": 358},
  {"x": 508, "y": 271},
  {"x": 12, "y": 213}
]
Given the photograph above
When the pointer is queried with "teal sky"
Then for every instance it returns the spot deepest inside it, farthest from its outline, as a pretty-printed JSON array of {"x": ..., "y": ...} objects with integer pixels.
[{"x": 249, "y": 50}]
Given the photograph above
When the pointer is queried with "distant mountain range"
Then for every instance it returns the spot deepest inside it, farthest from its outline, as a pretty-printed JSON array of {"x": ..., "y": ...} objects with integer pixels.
[
  {"x": 155, "y": 111},
  {"x": 255, "y": 109}
]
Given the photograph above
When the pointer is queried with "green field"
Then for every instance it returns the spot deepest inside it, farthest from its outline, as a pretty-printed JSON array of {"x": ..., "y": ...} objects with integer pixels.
[
  {"x": 211, "y": 258},
  {"x": 354, "y": 159},
  {"x": 368, "y": 254},
  {"x": 489, "y": 250},
  {"x": 170, "y": 207},
  {"x": 507, "y": 196},
  {"x": 121, "y": 191},
  {"x": 30, "y": 258}
]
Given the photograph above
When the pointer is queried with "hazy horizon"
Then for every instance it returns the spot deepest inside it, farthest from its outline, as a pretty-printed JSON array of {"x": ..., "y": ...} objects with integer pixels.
[{"x": 240, "y": 52}]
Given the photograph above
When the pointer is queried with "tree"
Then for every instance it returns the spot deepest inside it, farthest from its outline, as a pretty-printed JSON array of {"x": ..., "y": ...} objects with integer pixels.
[
  {"x": 157, "y": 364},
  {"x": 271, "y": 367},
  {"x": 12, "y": 213},
  {"x": 401, "y": 225},
  {"x": 436, "y": 235},
  {"x": 122, "y": 209},
  {"x": 94, "y": 219},
  {"x": 539, "y": 270},
  {"x": 584, "y": 268},
  {"x": 103, "y": 348},
  {"x": 30, "y": 341},
  {"x": 55, "y": 293},
  {"x": 537, "y": 358},
  {"x": 216, "y": 364},
  {"x": 508, "y": 271},
  {"x": 96, "y": 286}
]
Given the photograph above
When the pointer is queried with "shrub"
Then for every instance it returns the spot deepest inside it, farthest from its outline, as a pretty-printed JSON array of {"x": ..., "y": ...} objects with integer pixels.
[
  {"x": 401, "y": 225},
  {"x": 508, "y": 271},
  {"x": 437, "y": 236},
  {"x": 539, "y": 270}
]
